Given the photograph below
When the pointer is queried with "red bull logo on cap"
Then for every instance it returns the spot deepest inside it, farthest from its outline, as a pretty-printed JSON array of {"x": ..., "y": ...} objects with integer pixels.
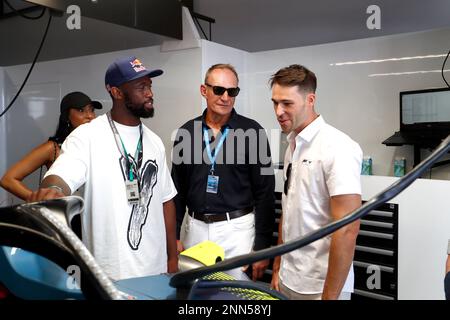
[{"x": 136, "y": 64}]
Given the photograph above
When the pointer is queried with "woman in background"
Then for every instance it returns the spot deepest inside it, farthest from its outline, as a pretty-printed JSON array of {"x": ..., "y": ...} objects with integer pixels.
[{"x": 76, "y": 109}]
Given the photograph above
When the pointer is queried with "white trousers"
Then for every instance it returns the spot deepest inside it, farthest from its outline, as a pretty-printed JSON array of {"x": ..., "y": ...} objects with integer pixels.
[
  {"x": 235, "y": 236},
  {"x": 293, "y": 295}
]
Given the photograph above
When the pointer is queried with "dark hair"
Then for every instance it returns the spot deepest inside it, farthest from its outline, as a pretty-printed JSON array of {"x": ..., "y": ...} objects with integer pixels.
[
  {"x": 295, "y": 75},
  {"x": 221, "y": 66},
  {"x": 64, "y": 128}
]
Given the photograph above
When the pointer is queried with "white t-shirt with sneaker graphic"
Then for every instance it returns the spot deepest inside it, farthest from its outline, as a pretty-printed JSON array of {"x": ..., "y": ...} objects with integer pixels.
[{"x": 126, "y": 240}]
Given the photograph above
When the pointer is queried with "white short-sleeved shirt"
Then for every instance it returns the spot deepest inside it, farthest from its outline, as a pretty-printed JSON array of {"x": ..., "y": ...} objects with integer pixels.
[
  {"x": 325, "y": 163},
  {"x": 127, "y": 241}
]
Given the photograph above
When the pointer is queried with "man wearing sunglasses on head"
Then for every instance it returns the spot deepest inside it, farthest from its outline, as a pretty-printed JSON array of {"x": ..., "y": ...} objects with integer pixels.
[
  {"x": 223, "y": 173},
  {"x": 322, "y": 184}
]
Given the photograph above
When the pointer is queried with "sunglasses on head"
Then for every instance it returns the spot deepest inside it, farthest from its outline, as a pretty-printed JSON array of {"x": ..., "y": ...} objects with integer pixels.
[{"x": 218, "y": 90}]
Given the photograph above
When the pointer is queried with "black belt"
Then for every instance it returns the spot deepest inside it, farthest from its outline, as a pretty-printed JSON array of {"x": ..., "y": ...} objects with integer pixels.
[{"x": 216, "y": 217}]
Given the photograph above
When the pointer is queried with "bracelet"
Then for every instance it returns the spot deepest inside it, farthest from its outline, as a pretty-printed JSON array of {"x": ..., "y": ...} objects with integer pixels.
[{"x": 57, "y": 188}]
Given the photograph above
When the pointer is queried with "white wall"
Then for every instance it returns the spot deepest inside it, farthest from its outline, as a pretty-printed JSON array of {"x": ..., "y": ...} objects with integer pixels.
[
  {"x": 363, "y": 106},
  {"x": 34, "y": 116},
  {"x": 423, "y": 234}
]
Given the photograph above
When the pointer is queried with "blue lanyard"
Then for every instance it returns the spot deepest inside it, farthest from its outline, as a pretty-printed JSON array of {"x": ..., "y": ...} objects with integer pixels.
[{"x": 212, "y": 158}]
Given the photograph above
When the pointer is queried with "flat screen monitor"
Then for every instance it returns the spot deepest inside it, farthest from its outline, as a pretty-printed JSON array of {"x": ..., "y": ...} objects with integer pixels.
[{"x": 425, "y": 109}]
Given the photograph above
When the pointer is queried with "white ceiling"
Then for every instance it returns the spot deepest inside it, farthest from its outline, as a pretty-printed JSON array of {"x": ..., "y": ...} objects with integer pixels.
[{"x": 251, "y": 25}]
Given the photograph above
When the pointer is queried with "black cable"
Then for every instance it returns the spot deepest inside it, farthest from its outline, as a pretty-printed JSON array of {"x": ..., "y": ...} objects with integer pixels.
[
  {"x": 32, "y": 66},
  {"x": 442, "y": 71},
  {"x": 21, "y": 14},
  {"x": 185, "y": 279}
]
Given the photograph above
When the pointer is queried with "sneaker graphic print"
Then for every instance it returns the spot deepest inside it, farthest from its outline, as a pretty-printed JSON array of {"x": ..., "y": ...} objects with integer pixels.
[{"x": 147, "y": 177}]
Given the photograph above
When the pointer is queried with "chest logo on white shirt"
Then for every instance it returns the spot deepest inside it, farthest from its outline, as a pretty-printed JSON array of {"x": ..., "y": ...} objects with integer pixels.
[
  {"x": 306, "y": 162},
  {"x": 147, "y": 177}
]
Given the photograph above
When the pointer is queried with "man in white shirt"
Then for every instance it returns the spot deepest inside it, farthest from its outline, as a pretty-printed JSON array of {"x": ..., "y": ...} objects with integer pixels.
[
  {"x": 129, "y": 222},
  {"x": 322, "y": 183}
]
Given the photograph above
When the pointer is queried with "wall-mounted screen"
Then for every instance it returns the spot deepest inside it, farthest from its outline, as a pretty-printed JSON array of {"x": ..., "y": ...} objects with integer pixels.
[{"x": 425, "y": 106}]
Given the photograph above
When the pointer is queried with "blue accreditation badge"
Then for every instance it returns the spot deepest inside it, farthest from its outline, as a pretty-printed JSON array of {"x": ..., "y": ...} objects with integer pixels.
[{"x": 213, "y": 184}]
